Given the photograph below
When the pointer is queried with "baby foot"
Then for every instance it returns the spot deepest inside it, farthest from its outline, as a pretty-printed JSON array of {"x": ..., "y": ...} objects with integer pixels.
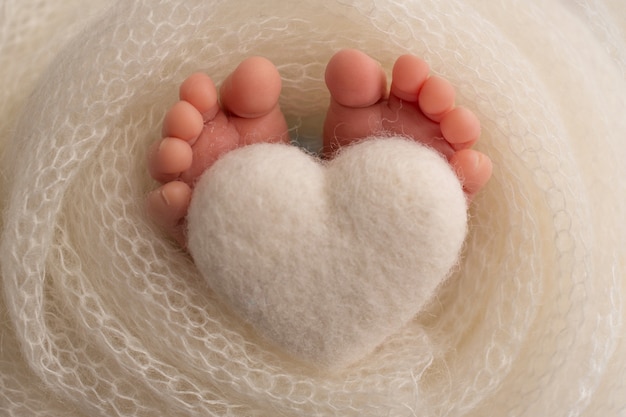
[
  {"x": 418, "y": 106},
  {"x": 197, "y": 131}
]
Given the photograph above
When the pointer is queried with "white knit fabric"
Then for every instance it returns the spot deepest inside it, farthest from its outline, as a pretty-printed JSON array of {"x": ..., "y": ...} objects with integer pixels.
[{"x": 101, "y": 315}]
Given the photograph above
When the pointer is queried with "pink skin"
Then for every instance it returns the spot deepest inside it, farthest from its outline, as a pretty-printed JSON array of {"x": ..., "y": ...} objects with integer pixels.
[{"x": 197, "y": 130}]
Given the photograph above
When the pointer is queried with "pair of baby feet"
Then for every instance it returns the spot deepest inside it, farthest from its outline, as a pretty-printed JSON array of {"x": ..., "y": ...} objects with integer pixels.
[{"x": 201, "y": 127}]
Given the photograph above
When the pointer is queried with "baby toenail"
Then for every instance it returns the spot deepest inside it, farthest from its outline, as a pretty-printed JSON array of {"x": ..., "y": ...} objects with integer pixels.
[
  {"x": 162, "y": 145},
  {"x": 477, "y": 160},
  {"x": 166, "y": 200}
]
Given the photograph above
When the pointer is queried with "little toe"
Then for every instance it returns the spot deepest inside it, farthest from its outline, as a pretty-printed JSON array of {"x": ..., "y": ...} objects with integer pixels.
[
  {"x": 252, "y": 90},
  {"x": 473, "y": 169},
  {"x": 168, "y": 206},
  {"x": 460, "y": 127},
  {"x": 354, "y": 79},
  {"x": 168, "y": 158},
  {"x": 183, "y": 121},
  {"x": 408, "y": 76},
  {"x": 436, "y": 98}
]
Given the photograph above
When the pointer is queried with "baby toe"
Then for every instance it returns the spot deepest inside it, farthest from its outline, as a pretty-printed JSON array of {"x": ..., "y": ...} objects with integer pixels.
[
  {"x": 169, "y": 157},
  {"x": 460, "y": 127},
  {"x": 253, "y": 88},
  {"x": 474, "y": 170},
  {"x": 199, "y": 91},
  {"x": 183, "y": 121},
  {"x": 408, "y": 76},
  {"x": 354, "y": 79},
  {"x": 168, "y": 206},
  {"x": 436, "y": 98}
]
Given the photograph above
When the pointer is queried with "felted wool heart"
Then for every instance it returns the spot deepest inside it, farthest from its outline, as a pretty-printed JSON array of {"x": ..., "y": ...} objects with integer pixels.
[{"x": 326, "y": 260}]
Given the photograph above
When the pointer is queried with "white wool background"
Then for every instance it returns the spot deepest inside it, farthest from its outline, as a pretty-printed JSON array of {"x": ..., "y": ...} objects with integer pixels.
[{"x": 101, "y": 315}]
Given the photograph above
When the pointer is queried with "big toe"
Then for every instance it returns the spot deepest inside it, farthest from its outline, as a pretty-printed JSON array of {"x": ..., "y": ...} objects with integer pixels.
[
  {"x": 354, "y": 79},
  {"x": 252, "y": 90}
]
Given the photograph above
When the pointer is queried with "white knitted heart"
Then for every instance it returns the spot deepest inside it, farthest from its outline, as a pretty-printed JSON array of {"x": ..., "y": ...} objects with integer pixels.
[{"x": 327, "y": 260}]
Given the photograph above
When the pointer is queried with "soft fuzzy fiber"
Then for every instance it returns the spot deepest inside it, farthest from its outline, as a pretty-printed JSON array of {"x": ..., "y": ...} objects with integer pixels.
[
  {"x": 328, "y": 261},
  {"x": 101, "y": 315}
]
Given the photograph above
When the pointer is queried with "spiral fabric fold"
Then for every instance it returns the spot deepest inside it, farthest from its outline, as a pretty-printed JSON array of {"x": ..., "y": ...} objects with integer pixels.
[{"x": 102, "y": 315}]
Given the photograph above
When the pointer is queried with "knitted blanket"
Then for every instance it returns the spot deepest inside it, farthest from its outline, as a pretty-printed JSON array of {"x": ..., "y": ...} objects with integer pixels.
[{"x": 102, "y": 315}]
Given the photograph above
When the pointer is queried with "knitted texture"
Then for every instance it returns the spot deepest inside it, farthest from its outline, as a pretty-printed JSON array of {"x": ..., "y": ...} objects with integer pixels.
[
  {"x": 102, "y": 315},
  {"x": 327, "y": 262}
]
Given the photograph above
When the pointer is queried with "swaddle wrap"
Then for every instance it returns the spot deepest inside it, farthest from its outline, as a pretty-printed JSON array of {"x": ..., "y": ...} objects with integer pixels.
[{"x": 102, "y": 315}]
